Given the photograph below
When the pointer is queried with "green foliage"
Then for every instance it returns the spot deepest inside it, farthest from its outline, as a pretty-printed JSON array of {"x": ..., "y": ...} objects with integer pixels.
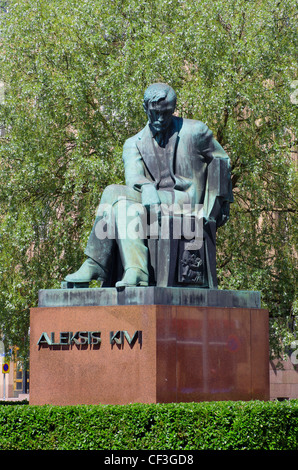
[
  {"x": 185, "y": 426},
  {"x": 75, "y": 73},
  {"x": 12, "y": 402}
]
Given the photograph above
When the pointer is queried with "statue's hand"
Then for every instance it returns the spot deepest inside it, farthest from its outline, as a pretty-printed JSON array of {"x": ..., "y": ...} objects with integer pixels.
[
  {"x": 151, "y": 202},
  {"x": 149, "y": 196},
  {"x": 208, "y": 220}
]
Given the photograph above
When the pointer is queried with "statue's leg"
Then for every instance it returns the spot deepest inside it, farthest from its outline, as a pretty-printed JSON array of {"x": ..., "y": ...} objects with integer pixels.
[
  {"x": 131, "y": 222},
  {"x": 117, "y": 201},
  {"x": 98, "y": 250}
]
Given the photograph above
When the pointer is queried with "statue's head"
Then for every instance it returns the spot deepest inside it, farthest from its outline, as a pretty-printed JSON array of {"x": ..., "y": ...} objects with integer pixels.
[{"x": 159, "y": 105}]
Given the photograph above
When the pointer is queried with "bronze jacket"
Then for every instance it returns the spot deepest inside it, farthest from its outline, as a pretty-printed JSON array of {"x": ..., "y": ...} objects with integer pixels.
[{"x": 198, "y": 164}]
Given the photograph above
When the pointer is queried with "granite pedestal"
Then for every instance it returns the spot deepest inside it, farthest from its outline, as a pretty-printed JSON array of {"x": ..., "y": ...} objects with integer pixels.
[{"x": 148, "y": 345}]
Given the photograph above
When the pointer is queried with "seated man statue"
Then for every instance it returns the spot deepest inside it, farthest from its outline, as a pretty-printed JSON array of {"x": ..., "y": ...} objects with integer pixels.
[{"x": 171, "y": 162}]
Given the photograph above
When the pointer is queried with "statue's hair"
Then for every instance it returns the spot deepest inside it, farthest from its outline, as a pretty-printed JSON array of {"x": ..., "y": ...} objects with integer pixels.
[{"x": 159, "y": 91}]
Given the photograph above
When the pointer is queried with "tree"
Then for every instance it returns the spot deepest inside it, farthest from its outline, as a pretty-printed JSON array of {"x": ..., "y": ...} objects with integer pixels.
[{"x": 75, "y": 73}]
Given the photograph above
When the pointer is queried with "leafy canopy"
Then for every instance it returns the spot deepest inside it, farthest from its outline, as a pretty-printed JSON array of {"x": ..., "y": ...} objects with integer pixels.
[{"x": 75, "y": 73}]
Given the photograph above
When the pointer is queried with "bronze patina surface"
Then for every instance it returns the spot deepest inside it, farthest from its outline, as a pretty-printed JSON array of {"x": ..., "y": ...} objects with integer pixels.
[{"x": 173, "y": 165}]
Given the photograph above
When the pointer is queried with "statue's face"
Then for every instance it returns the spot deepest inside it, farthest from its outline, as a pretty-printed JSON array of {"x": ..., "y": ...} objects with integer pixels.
[{"x": 160, "y": 115}]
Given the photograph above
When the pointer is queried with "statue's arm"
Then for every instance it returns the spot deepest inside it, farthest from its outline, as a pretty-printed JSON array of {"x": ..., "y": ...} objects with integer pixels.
[
  {"x": 133, "y": 166},
  {"x": 209, "y": 147},
  {"x": 135, "y": 174},
  {"x": 218, "y": 194}
]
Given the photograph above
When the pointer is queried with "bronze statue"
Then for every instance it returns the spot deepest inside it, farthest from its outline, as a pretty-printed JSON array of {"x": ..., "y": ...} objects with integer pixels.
[{"x": 172, "y": 162}]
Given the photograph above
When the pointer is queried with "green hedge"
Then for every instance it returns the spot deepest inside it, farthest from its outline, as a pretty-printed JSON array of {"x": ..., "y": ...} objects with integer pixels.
[
  {"x": 184, "y": 426},
  {"x": 13, "y": 402}
]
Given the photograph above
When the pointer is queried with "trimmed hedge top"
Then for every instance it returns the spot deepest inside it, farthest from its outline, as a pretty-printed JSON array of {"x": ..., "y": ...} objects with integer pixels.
[{"x": 182, "y": 426}]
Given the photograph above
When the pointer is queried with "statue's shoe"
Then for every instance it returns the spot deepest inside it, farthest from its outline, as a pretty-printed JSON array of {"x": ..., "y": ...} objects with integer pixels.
[
  {"x": 90, "y": 270},
  {"x": 133, "y": 277}
]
